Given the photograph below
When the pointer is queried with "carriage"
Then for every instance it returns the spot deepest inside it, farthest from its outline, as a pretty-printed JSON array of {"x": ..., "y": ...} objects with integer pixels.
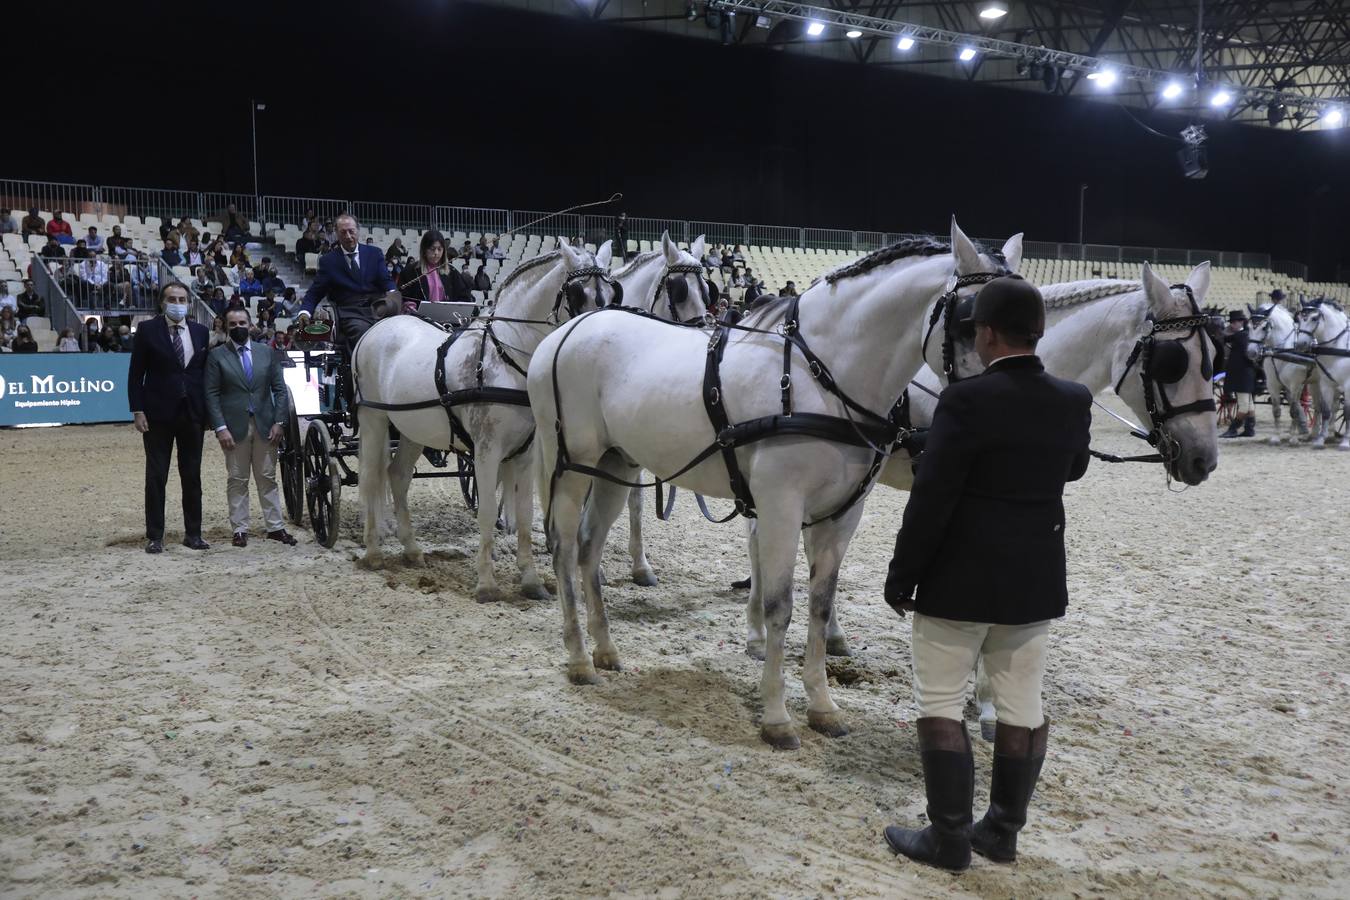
[{"x": 316, "y": 458}]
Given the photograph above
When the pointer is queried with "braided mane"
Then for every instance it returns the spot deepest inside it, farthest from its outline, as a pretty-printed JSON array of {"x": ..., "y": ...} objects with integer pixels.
[{"x": 1073, "y": 293}]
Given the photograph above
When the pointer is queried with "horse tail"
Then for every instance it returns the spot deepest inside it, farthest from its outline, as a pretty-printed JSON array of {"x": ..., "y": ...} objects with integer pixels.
[{"x": 374, "y": 469}]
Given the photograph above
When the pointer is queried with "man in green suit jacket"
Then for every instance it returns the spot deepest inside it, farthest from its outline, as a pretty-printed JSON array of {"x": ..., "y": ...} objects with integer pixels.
[{"x": 247, "y": 405}]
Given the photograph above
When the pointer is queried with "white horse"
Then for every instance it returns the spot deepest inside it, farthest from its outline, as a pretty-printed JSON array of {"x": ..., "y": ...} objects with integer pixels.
[
  {"x": 648, "y": 282},
  {"x": 394, "y": 364},
  {"x": 1273, "y": 330},
  {"x": 634, "y": 399},
  {"x": 1324, "y": 332}
]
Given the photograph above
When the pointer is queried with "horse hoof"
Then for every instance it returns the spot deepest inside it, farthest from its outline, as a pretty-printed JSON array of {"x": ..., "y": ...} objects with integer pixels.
[
  {"x": 607, "y": 661},
  {"x": 755, "y": 650},
  {"x": 535, "y": 592},
  {"x": 582, "y": 674},
  {"x": 644, "y": 577},
  {"x": 372, "y": 561},
  {"x": 837, "y": 646},
  {"x": 829, "y": 724},
  {"x": 1343, "y": 446},
  {"x": 486, "y": 595},
  {"x": 780, "y": 737},
  {"x": 1274, "y": 440},
  {"x": 988, "y": 728},
  {"x": 414, "y": 558}
]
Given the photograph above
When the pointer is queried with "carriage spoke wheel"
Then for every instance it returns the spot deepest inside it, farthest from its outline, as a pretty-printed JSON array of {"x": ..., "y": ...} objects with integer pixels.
[
  {"x": 323, "y": 486},
  {"x": 292, "y": 465},
  {"x": 468, "y": 482}
]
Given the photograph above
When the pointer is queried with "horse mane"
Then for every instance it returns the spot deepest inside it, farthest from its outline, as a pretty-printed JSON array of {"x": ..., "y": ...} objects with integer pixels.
[
  {"x": 527, "y": 266},
  {"x": 1328, "y": 303},
  {"x": 639, "y": 260},
  {"x": 770, "y": 309},
  {"x": 920, "y": 245},
  {"x": 1073, "y": 293}
]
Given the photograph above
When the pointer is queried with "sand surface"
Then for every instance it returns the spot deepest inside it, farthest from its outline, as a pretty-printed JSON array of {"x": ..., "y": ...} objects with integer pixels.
[{"x": 276, "y": 722}]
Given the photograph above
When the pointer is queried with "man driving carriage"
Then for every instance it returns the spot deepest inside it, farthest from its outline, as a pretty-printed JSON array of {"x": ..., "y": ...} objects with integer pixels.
[{"x": 352, "y": 276}]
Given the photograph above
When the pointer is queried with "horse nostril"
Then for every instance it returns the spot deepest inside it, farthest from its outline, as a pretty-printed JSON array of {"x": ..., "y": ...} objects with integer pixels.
[{"x": 1204, "y": 465}]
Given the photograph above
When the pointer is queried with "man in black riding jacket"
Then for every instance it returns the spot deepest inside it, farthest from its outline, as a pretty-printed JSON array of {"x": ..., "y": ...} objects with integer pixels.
[
  {"x": 1239, "y": 378},
  {"x": 983, "y": 543}
]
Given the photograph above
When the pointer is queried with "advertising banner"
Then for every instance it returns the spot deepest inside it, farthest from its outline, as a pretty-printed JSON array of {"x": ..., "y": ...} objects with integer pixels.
[{"x": 63, "y": 388}]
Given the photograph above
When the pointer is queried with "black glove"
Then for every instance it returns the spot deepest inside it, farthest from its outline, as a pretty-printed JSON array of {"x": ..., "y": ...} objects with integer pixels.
[{"x": 900, "y": 598}]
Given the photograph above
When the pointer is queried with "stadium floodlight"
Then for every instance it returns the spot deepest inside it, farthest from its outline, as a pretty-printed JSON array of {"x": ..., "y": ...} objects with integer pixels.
[
  {"x": 1172, "y": 90},
  {"x": 1333, "y": 118},
  {"x": 853, "y": 33},
  {"x": 815, "y": 29},
  {"x": 1104, "y": 78},
  {"x": 993, "y": 10},
  {"x": 967, "y": 54},
  {"x": 1221, "y": 98},
  {"x": 905, "y": 43}
]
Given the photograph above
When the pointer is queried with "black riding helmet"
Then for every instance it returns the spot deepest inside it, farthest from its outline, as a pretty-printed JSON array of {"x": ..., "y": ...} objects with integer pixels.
[{"x": 1009, "y": 304}]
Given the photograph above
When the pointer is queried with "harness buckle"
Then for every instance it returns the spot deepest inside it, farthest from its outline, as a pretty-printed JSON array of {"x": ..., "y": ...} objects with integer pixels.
[
  {"x": 724, "y": 438},
  {"x": 815, "y": 368},
  {"x": 785, "y": 382},
  {"x": 714, "y": 396}
]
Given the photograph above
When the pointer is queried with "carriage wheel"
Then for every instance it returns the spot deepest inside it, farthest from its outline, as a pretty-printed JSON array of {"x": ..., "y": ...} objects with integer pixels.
[
  {"x": 323, "y": 486},
  {"x": 290, "y": 461},
  {"x": 468, "y": 482}
]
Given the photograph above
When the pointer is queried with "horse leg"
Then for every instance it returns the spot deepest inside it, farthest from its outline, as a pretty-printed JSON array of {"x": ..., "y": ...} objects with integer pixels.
[
  {"x": 605, "y": 504},
  {"x": 1324, "y": 398},
  {"x": 826, "y": 543},
  {"x": 565, "y": 507},
  {"x": 754, "y": 608},
  {"x": 984, "y": 697},
  {"x": 522, "y": 500},
  {"x": 642, "y": 570},
  {"x": 1345, "y": 407},
  {"x": 485, "y": 465},
  {"x": 506, "y": 510},
  {"x": 400, "y": 479},
  {"x": 373, "y": 457},
  {"x": 1275, "y": 403},
  {"x": 778, "y": 527}
]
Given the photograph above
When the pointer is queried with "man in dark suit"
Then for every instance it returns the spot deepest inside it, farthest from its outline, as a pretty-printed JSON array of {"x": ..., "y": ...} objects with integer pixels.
[
  {"x": 983, "y": 542},
  {"x": 165, "y": 388},
  {"x": 247, "y": 405},
  {"x": 1239, "y": 378},
  {"x": 351, "y": 276}
]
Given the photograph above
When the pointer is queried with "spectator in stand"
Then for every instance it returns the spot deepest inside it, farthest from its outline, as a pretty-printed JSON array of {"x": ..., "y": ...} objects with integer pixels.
[
  {"x": 620, "y": 236},
  {"x": 578, "y": 243},
  {"x": 431, "y": 279},
  {"x": 308, "y": 243},
  {"x": 30, "y": 302},
  {"x": 94, "y": 280},
  {"x": 269, "y": 276},
  {"x": 753, "y": 289},
  {"x": 67, "y": 342},
  {"x": 497, "y": 251},
  {"x": 7, "y": 300},
  {"x": 7, "y": 223},
  {"x": 217, "y": 253},
  {"x": 233, "y": 225},
  {"x": 118, "y": 246},
  {"x": 736, "y": 256},
  {"x": 328, "y": 233},
  {"x": 215, "y": 272},
  {"x": 235, "y": 302},
  {"x": 32, "y": 223},
  {"x": 484, "y": 249},
  {"x": 396, "y": 252},
  {"x": 481, "y": 281},
  {"x": 89, "y": 338},
  {"x": 23, "y": 341},
  {"x": 310, "y": 220},
  {"x": 217, "y": 300},
  {"x": 145, "y": 281},
  {"x": 218, "y": 335},
  {"x": 124, "y": 339},
  {"x": 288, "y": 305},
  {"x": 789, "y": 290},
  {"x": 107, "y": 339},
  {"x": 59, "y": 228},
  {"x": 52, "y": 249},
  {"x": 282, "y": 340},
  {"x": 94, "y": 241},
  {"x": 9, "y": 324},
  {"x": 239, "y": 258},
  {"x": 728, "y": 260},
  {"x": 194, "y": 257},
  {"x": 201, "y": 282},
  {"x": 119, "y": 282},
  {"x": 324, "y": 246},
  {"x": 81, "y": 250},
  {"x": 170, "y": 253},
  {"x": 267, "y": 308},
  {"x": 249, "y": 285}
]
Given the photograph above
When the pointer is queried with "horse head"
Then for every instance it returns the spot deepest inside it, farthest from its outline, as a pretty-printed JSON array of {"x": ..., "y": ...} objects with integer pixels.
[
  {"x": 1319, "y": 322},
  {"x": 685, "y": 293},
  {"x": 1167, "y": 378},
  {"x": 587, "y": 284}
]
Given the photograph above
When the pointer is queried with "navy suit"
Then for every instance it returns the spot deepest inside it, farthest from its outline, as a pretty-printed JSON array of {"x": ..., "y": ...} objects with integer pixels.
[
  {"x": 173, "y": 398},
  {"x": 350, "y": 292}
]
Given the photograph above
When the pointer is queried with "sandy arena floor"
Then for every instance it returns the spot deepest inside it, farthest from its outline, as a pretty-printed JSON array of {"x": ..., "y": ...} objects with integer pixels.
[{"x": 276, "y": 722}]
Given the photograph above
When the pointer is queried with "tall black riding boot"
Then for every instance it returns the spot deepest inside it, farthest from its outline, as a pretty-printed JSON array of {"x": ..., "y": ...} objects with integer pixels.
[
  {"x": 949, "y": 780},
  {"x": 1018, "y": 755},
  {"x": 1250, "y": 429},
  {"x": 1233, "y": 427}
]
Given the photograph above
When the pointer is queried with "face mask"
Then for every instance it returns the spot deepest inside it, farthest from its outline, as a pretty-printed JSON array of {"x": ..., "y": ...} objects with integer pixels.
[
  {"x": 239, "y": 334},
  {"x": 176, "y": 311}
]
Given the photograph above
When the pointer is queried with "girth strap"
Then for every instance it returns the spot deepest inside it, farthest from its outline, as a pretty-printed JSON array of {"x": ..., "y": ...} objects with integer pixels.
[{"x": 717, "y": 415}]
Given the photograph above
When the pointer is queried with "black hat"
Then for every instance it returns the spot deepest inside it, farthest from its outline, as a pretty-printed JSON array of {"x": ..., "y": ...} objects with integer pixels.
[
  {"x": 1012, "y": 305},
  {"x": 1277, "y": 294},
  {"x": 1237, "y": 315}
]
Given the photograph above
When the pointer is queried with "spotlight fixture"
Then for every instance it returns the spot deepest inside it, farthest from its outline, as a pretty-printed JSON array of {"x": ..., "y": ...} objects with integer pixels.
[
  {"x": 905, "y": 43},
  {"x": 993, "y": 10},
  {"x": 967, "y": 54},
  {"x": 1221, "y": 98},
  {"x": 1275, "y": 113},
  {"x": 815, "y": 29},
  {"x": 1105, "y": 78},
  {"x": 1333, "y": 118},
  {"x": 1172, "y": 90},
  {"x": 853, "y": 33}
]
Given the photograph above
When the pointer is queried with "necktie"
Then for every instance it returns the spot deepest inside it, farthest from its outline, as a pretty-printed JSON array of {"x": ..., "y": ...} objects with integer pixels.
[
  {"x": 353, "y": 264},
  {"x": 178, "y": 345},
  {"x": 247, "y": 359}
]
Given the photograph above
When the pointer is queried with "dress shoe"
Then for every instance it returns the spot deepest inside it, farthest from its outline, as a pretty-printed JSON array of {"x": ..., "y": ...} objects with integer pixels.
[
  {"x": 154, "y": 547},
  {"x": 240, "y": 539},
  {"x": 196, "y": 543},
  {"x": 282, "y": 535}
]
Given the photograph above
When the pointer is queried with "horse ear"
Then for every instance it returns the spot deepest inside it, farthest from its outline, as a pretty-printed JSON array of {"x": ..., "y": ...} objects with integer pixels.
[
  {"x": 1012, "y": 252},
  {"x": 1155, "y": 289},
  {"x": 569, "y": 254},
  {"x": 1198, "y": 281},
  {"x": 1251, "y": 310},
  {"x": 963, "y": 251},
  {"x": 668, "y": 247},
  {"x": 605, "y": 254},
  {"x": 696, "y": 249}
]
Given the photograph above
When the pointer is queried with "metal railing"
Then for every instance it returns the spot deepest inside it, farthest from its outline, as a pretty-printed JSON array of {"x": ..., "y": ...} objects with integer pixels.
[
  {"x": 718, "y": 232},
  {"x": 60, "y": 310},
  {"x": 471, "y": 219},
  {"x": 775, "y": 236},
  {"x": 566, "y": 225},
  {"x": 294, "y": 210},
  {"x": 394, "y": 215}
]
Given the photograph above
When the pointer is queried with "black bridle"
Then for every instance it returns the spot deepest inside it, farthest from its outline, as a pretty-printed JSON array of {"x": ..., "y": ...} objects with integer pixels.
[
  {"x": 1158, "y": 367},
  {"x": 573, "y": 290},
  {"x": 672, "y": 283},
  {"x": 954, "y": 325}
]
